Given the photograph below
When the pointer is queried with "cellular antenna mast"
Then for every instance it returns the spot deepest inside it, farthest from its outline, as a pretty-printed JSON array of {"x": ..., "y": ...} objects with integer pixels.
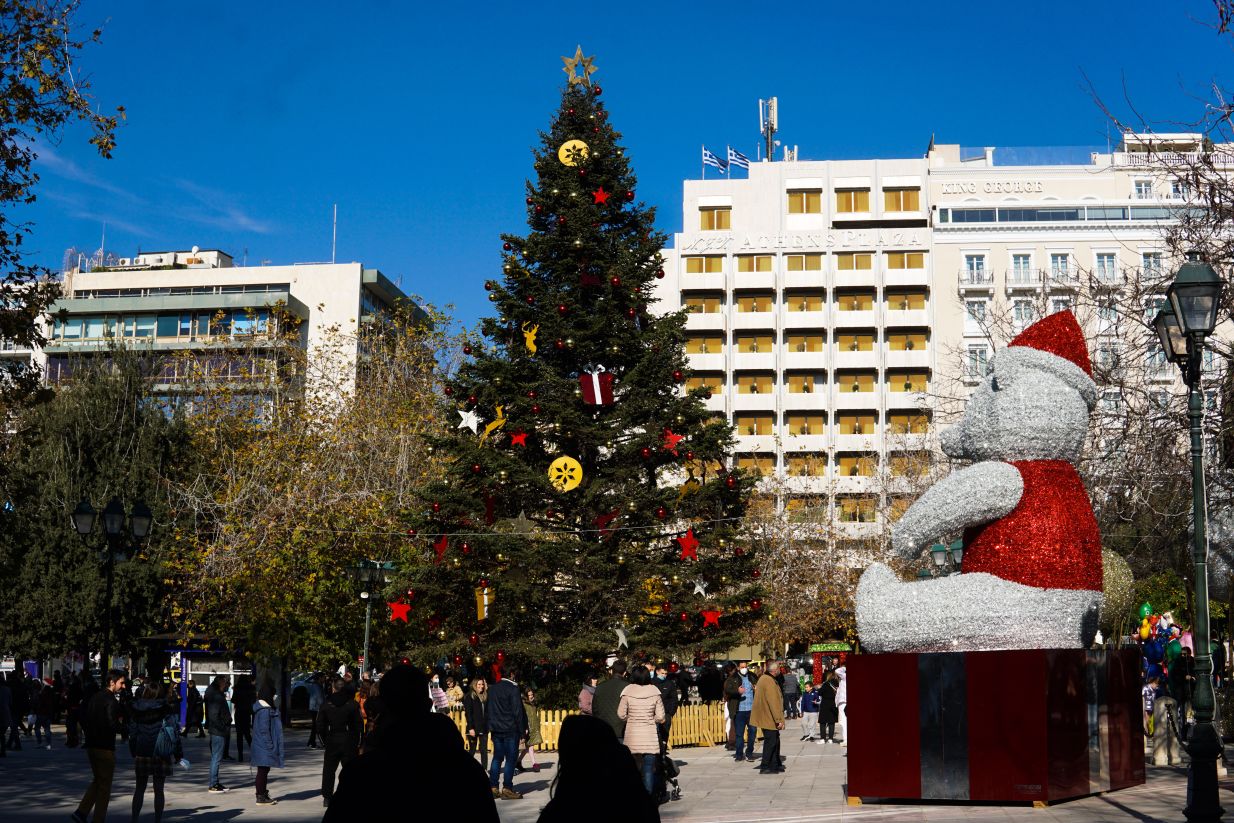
[
  {"x": 769, "y": 123},
  {"x": 334, "y": 234}
]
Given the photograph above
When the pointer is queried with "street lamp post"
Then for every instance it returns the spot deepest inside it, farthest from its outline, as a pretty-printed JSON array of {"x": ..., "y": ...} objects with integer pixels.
[
  {"x": 139, "y": 518},
  {"x": 941, "y": 553},
  {"x": 370, "y": 572},
  {"x": 1182, "y": 326}
]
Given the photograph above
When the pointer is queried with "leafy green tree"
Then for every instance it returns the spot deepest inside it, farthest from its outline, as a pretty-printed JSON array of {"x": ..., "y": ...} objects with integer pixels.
[
  {"x": 41, "y": 92},
  {"x": 103, "y": 435},
  {"x": 567, "y": 508}
]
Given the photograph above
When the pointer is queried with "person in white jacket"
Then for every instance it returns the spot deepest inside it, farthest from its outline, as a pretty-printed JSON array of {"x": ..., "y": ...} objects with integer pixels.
[{"x": 842, "y": 702}]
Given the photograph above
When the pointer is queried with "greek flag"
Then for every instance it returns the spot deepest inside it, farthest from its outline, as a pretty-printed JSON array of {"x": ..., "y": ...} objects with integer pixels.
[
  {"x": 710, "y": 159},
  {"x": 737, "y": 159}
]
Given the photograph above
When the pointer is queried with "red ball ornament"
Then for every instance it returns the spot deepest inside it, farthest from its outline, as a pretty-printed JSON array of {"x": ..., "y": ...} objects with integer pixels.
[
  {"x": 405, "y": 662},
  {"x": 535, "y": 408},
  {"x": 448, "y": 391},
  {"x": 659, "y": 274},
  {"x": 474, "y": 640},
  {"x": 569, "y": 111},
  {"x": 582, "y": 172},
  {"x": 679, "y": 376},
  {"x": 466, "y": 548},
  {"x": 561, "y": 219},
  {"x": 661, "y": 512},
  {"x": 645, "y": 452},
  {"x": 458, "y": 660},
  {"x": 689, "y": 455},
  {"x": 530, "y": 200},
  {"x": 559, "y": 344},
  {"x": 411, "y": 532},
  {"x": 597, "y": 91},
  {"x": 531, "y": 394},
  {"x": 631, "y": 313},
  {"x": 501, "y": 655},
  {"x": 666, "y": 607},
  {"x": 550, "y": 512},
  {"x": 531, "y": 300},
  {"x": 595, "y": 129},
  {"x": 756, "y": 574},
  {"x": 476, "y": 468},
  {"x": 484, "y": 582},
  {"x": 756, "y": 604},
  {"x": 488, "y": 285},
  {"x": 630, "y": 195},
  {"x": 562, "y": 309},
  {"x": 673, "y": 668},
  {"x": 411, "y": 594},
  {"x": 685, "y": 618},
  {"x": 467, "y": 349},
  {"x": 539, "y": 209},
  {"x": 472, "y": 400},
  {"x": 730, "y": 481},
  {"x": 436, "y": 507},
  {"x": 506, "y": 246},
  {"x": 615, "y": 281},
  {"x": 738, "y": 552}
]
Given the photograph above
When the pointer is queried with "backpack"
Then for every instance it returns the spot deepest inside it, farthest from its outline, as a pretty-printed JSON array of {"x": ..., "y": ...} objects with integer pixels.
[{"x": 168, "y": 737}]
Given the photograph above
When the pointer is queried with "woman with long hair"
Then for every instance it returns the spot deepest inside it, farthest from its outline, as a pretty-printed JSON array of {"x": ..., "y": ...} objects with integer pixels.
[
  {"x": 154, "y": 741},
  {"x": 475, "y": 711}
]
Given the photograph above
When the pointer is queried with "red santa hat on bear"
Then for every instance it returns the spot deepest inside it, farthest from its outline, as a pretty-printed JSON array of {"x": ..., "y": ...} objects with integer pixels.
[{"x": 1054, "y": 344}]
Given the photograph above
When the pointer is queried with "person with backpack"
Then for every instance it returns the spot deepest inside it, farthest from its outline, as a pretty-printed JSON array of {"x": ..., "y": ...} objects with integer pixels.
[{"x": 154, "y": 743}]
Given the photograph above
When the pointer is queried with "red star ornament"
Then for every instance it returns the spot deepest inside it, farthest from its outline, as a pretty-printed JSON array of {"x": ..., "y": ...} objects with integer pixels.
[
  {"x": 398, "y": 611},
  {"x": 671, "y": 440},
  {"x": 602, "y": 522},
  {"x": 711, "y": 617},
  {"x": 689, "y": 545},
  {"x": 440, "y": 547},
  {"x": 518, "y": 438},
  {"x": 601, "y": 196}
]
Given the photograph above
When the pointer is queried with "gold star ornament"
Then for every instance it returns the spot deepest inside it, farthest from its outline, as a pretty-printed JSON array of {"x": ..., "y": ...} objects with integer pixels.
[{"x": 572, "y": 67}]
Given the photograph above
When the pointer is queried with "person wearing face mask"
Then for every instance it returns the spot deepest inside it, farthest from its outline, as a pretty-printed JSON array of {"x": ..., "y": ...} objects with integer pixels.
[
  {"x": 739, "y": 689},
  {"x": 668, "y": 694},
  {"x": 441, "y": 702}
]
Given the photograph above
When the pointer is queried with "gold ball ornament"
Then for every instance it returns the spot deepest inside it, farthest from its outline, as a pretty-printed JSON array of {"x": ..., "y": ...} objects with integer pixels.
[
  {"x": 478, "y": 660},
  {"x": 565, "y": 473},
  {"x": 572, "y": 151},
  {"x": 522, "y": 608},
  {"x": 441, "y": 635}
]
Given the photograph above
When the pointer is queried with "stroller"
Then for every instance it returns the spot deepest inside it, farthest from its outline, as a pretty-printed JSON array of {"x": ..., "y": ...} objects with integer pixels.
[{"x": 666, "y": 786}]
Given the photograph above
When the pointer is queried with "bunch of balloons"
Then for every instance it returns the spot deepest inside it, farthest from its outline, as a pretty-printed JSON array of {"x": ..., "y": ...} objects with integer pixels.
[{"x": 1161, "y": 640}]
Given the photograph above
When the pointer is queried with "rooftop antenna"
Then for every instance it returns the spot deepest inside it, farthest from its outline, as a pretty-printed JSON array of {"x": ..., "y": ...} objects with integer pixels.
[
  {"x": 769, "y": 123},
  {"x": 334, "y": 234}
]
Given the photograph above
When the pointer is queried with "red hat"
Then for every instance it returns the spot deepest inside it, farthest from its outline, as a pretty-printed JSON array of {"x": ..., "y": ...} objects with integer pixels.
[{"x": 1059, "y": 334}]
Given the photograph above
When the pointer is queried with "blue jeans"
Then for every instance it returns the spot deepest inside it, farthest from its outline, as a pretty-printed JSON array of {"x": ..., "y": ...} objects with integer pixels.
[
  {"x": 216, "y": 757},
  {"x": 505, "y": 753},
  {"x": 741, "y": 725},
  {"x": 649, "y": 772}
]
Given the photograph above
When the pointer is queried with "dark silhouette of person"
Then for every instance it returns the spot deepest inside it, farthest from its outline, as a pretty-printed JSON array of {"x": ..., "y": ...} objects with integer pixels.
[
  {"x": 412, "y": 755},
  {"x": 595, "y": 769}
]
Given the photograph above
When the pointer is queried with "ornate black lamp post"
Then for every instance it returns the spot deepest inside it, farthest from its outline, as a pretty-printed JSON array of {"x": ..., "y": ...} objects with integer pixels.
[
  {"x": 370, "y": 573},
  {"x": 1182, "y": 327}
]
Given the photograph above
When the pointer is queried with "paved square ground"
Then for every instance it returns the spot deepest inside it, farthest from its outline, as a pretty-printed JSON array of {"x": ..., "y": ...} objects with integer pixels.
[{"x": 39, "y": 785}]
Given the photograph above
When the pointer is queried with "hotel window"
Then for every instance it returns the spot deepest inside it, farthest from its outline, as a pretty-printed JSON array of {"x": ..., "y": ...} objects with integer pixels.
[
  {"x": 914, "y": 464},
  {"x": 977, "y": 364},
  {"x": 1108, "y": 357},
  {"x": 1058, "y": 304},
  {"x": 754, "y": 424},
  {"x": 908, "y": 423},
  {"x": 849, "y": 201},
  {"x": 142, "y": 325},
  {"x": 706, "y": 264},
  {"x": 803, "y": 301},
  {"x": 1060, "y": 265},
  {"x": 902, "y": 199},
  {"x": 855, "y": 301},
  {"x": 856, "y": 382},
  {"x": 755, "y": 343},
  {"x": 897, "y": 260},
  {"x": 1106, "y": 267},
  {"x": 906, "y": 301},
  {"x": 755, "y": 302},
  {"x": 703, "y": 304},
  {"x": 862, "y": 423},
  {"x": 806, "y": 465},
  {"x": 715, "y": 218},
  {"x": 854, "y": 261},
  {"x": 1180, "y": 190},
  {"x": 803, "y": 262},
  {"x": 804, "y": 342},
  {"x": 754, "y": 384},
  {"x": 910, "y": 381},
  {"x": 856, "y": 465},
  {"x": 907, "y": 341},
  {"x": 805, "y": 423},
  {"x": 714, "y": 383},
  {"x": 897, "y": 505},
  {"x": 804, "y": 382},
  {"x": 1021, "y": 267},
  {"x": 753, "y": 262},
  {"x": 705, "y": 344},
  {"x": 850, "y": 341},
  {"x": 974, "y": 316},
  {"x": 974, "y": 267},
  {"x": 1023, "y": 314},
  {"x": 168, "y": 325},
  {"x": 1143, "y": 190},
  {"x": 1151, "y": 262},
  {"x": 760, "y": 463},
  {"x": 805, "y": 201},
  {"x": 857, "y": 509}
]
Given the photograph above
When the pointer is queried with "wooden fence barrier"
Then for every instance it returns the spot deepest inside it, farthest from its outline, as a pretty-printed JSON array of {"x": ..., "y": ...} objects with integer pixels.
[{"x": 692, "y": 725}]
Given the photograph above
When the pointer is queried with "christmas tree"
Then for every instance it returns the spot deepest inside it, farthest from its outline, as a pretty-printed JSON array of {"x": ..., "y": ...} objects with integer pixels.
[{"x": 588, "y": 507}]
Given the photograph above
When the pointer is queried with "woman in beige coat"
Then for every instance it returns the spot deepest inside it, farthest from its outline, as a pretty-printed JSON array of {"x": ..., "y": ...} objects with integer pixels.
[{"x": 641, "y": 708}]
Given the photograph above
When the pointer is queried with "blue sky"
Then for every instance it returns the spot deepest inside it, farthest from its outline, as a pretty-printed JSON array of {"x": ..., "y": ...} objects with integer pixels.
[{"x": 247, "y": 121}]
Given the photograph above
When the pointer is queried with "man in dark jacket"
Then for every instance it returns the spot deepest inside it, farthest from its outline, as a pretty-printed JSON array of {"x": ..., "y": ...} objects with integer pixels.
[
  {"x": 218, "y": 725},
  {"x": 101, "y": 721},
  {"x": 338, "y": 725},
  {"x": 507, "y": 727},
  {"x": 413, "y": 753},
  {"x": 668, "y": 696},
  {"x": 607, "y": 698}
]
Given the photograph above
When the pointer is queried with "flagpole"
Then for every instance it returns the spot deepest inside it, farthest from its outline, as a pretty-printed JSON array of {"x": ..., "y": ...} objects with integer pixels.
[{"x": 703, "y": 165}]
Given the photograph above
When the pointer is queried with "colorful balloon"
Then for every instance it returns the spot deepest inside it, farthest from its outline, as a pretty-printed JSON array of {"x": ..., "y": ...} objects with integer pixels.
[
  {"x": 1146, "y": 609},
  {"x": 1144, "y": 631},
  {"x": 1172, "y": 650}
]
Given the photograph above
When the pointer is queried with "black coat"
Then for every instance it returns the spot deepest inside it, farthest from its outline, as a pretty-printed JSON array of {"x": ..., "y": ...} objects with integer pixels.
[
  {"x": 101, "y": 721},
  {"x": 668, "y": 695},
  {"x": 827, "y": 711},
  {"x": 506, "y": 715},
  {"x": 339, "y": 721},
  {"x": 605, "y": 701},
  {"x": 476, "y": 712},
  {"x": 731, "y": 693},
  {"x": 218, "y": 715}
]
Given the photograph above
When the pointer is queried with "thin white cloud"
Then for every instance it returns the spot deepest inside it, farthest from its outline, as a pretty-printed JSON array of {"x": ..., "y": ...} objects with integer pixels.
[
  {"x": 219, "y": 209},
  {"x": 51, "y": 161},
  {"x": 76, "y": 206}
]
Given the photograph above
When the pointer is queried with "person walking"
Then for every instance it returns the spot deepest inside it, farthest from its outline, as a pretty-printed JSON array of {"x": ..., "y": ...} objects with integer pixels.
[
  {"x": 593, "y": 764},
  {"x": 218, "y": 724},
  {"x": 641, "y": 708},
  {"x": 768, "y": 715},
  {"x": 243, "y": 696},
  {"x": 740, "y": 687},
  {"x": 608, "y": 696},
  {"x": 21, "y": 708},
  {"x": 154, "y": 741},
  {"x": 475, "y": 715},
  {"x": 533, "y": 731},
  {"x": 809, "y": 713},
  {"x": 44, "y": 710},
  {"x": 828, "y": 714},
  {"x": 792, "y": 693},
  {"x": 842, "y": 703},
  {"x": 74, "y": 696},
  {"x": 316, "y": 696},
  {"x": 193, "y": 709},
  {"x": 730, "y": 686},
  {"x": 669, "y": 696},
  {"x": 101, "y": 723},
  {"x": 587, "y": 693},
  {"x": 340, "y": 722},
  {"x": 507, "y": 723},
  {"x": 267, "y": 748}
]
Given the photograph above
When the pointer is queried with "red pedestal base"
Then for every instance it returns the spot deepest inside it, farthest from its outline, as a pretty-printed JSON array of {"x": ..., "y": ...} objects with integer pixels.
[{"x": 1033, "y": 726}]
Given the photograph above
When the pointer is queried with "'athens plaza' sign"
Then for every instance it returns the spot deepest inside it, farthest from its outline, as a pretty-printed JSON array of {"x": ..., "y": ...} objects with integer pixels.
[{"x": 821, "y": 241}]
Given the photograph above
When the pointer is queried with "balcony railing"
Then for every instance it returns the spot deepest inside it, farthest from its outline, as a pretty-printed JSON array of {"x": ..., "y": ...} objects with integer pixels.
[
  {"x": 1156, "y": 158},
  {"x": 1024, "y": 277},
  {"x": 976, "y": 277}
]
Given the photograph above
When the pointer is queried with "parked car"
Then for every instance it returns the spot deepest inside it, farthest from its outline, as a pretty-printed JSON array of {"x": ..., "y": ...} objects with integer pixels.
[{"x": 300, "y": 694}]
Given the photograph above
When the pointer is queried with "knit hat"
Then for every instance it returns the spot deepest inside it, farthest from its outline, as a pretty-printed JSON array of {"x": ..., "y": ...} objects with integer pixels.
[{"x": 1054, "y": 344}]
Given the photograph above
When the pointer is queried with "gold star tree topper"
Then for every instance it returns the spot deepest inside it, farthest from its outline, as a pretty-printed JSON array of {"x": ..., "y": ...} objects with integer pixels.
[{"x": 572, "y": 64}]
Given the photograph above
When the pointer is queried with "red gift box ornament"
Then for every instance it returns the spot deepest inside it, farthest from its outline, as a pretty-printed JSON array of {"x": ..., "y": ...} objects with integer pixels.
[{"x": 597, "y": 386}]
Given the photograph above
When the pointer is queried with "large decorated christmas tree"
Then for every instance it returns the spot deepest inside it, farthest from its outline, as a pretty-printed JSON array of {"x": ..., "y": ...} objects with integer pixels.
[{"x": 587, "y": 507}]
